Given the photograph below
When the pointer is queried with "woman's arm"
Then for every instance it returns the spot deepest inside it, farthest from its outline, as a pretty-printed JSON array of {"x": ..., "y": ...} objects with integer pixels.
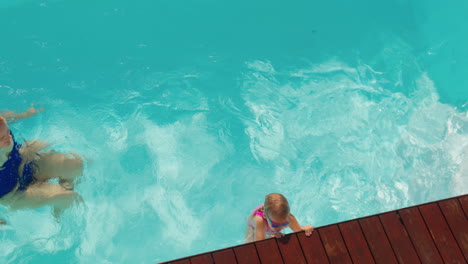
[{"x": 12, "y": 117}]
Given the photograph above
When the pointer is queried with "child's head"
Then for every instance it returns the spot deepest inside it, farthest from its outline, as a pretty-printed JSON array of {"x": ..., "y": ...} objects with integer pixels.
[{"x": 277, "y": 209}]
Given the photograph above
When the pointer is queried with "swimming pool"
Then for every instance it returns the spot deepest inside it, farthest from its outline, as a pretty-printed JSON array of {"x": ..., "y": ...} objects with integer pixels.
[{"x": 189, "y": 112}]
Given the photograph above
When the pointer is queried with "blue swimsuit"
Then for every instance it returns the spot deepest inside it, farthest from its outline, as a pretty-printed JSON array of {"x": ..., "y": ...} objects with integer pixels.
[{"x": 9, "y": 172}]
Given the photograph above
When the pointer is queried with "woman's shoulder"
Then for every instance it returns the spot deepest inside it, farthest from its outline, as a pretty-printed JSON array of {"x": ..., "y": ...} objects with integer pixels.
[{"x": 4, "y": 153}]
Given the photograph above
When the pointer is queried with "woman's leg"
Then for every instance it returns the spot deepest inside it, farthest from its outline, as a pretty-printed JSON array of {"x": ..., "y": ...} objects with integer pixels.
[
  {"x": 44, "y": 193},
  {"x": 54, "y": 164}
]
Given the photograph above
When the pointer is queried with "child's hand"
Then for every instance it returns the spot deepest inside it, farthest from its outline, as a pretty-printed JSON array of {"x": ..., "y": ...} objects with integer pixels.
[
  {"x": 277, "y": 235},
  {"x": 308, "y": 229}
]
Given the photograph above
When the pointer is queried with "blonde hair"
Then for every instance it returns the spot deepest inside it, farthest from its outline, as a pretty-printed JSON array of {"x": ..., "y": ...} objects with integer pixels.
[{"x": 277, "y": 205}]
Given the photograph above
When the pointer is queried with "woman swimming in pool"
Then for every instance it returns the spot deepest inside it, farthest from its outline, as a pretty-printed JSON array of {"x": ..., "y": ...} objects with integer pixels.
[
  {"x": 25, "y": 169},
  {"x": 270, "y": 218}
]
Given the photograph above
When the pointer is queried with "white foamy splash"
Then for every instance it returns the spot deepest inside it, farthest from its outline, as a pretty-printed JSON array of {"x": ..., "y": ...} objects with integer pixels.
[{"x": 343, "y": 146}]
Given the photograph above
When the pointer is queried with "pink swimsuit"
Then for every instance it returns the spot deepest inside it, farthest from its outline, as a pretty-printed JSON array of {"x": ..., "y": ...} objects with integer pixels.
[{"x": 259, "y": 211}]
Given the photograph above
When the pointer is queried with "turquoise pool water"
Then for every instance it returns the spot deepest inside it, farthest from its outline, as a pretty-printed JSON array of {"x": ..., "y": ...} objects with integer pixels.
[{"x": 189, "y": 112}]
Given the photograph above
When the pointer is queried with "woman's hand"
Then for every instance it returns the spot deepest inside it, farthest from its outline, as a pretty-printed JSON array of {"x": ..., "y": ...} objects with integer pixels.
[
  {"x": 308, "y": 229},
  {"x": 32, "y": 111}
]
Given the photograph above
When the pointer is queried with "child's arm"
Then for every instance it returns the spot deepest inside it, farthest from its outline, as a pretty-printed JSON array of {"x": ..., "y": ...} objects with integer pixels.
[
  {"x": 259, "y": 228},
  {"x": 296, "y": 227},
  {"x": 12, "y": 117}
]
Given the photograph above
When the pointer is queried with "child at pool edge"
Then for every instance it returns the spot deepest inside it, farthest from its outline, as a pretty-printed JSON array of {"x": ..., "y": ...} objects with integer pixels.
[
  {"x": 272, "y": 217},
  {"x": 25, "y": 169}
]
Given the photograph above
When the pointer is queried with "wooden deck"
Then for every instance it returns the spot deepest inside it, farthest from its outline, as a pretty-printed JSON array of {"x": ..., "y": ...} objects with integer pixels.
[{"x": 435, "y": 232}]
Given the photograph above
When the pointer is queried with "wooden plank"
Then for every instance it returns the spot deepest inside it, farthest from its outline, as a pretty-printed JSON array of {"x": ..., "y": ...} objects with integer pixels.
[
  {"x": 356, "y": 242},
  {"x": 399, "y": 239},
  {"x": 225, "y": 257},
  {"x": 377, "y": 240},
  {"x": 334, "y": 244},
  {"x": 419, "y": 234},
  {"x": 202, "y": 259},
  {"x": 268, "y": 251},
  {"x": 464, "y": 202},
  {"x": 312, "y": 248},
  {"x": 458, "y": 223},
  {"x": 183, "y": 261},
  {"x": 437, "y": 231},
  {"x": 441, "y": 234},
  {"x": 247, "y": 254},
  {"x": 291, "y": 249}
]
